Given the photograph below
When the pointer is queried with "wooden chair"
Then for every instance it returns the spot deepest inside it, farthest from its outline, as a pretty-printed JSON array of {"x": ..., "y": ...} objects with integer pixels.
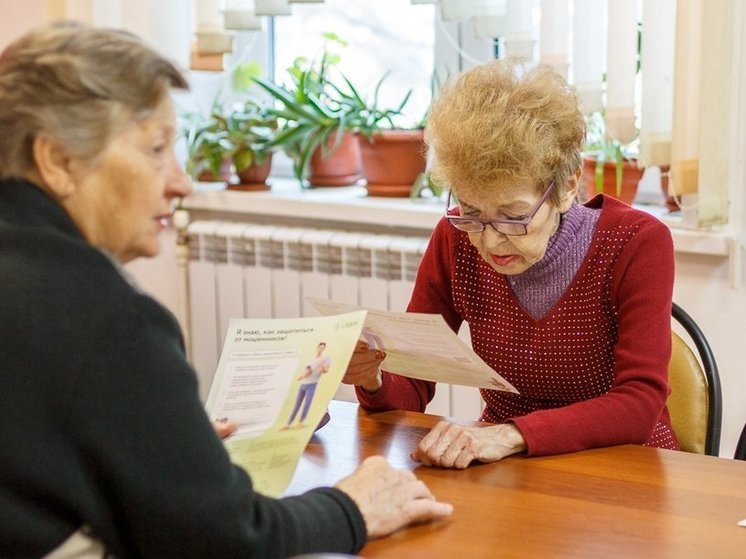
[
  {"x": 696, "y": 401},
  {"x": 741, "y": 446}
]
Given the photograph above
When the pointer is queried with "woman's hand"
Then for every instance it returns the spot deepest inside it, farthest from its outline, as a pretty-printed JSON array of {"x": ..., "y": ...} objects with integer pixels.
[
  {"x": 454, "y": 446},
  {"x": 389, "y": 498},
  {"x": 365, "y": 368},
  {"x": 224, "y": 427}
]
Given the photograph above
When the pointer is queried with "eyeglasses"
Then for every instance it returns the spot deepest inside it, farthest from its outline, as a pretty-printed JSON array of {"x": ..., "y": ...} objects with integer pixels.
[{"x": 510, "y": 227}]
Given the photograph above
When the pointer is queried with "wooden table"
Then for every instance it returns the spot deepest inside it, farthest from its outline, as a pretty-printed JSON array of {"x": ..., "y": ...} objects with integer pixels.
[{"x": 625, "y": 501}]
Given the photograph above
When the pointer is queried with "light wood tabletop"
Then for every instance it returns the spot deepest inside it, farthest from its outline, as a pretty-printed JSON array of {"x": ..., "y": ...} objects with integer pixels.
[{"x": 625, "y": 501}]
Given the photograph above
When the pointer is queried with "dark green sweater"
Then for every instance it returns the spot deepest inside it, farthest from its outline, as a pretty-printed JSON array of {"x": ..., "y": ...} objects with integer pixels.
[{"x": 101, "y": 423}]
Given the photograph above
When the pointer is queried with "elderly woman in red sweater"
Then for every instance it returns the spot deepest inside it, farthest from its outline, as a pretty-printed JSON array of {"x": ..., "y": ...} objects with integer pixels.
[{"x": 570, "y": 303}]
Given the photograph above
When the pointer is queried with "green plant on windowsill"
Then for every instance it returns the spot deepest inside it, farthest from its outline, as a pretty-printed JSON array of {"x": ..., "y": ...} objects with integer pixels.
[
  {"x": 249, "y": 130},
  {"x": 425, "y": 183},
  {"x": 314, "y": 114},
  {"x": 603, "y": 149},
  {"x": 599, "y": 146},
  {"x": 241, "y": 135},
  {"x": 368, "y": 117},
  {"x": 207, "y": 146},
  {"x": 237, "y": 130}
]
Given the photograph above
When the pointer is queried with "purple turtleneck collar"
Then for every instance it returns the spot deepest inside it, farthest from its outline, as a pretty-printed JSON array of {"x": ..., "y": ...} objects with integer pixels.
[{"x": 540, "y": 287}]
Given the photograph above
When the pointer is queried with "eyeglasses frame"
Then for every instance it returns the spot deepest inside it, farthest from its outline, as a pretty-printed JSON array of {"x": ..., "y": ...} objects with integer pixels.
[{"x": 453, "y": 219}]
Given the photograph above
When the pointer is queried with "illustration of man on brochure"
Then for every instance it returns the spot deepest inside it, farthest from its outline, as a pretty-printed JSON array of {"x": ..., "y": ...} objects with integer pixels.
[{"x": 309, "y": 380}]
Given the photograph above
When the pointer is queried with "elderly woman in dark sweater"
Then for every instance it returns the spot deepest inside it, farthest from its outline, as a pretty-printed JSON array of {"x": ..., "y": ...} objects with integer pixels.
[
  {"x": 106, "y": 448},
  {"x": 570, "y": 303}
]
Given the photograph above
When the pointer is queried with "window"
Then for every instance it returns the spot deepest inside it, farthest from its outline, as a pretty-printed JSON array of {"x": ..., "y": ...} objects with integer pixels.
[{"x": 391, "y": 36}]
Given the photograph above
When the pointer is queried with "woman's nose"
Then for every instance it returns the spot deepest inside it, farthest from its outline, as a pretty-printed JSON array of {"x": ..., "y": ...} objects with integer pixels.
[
  {"x": 492, "y": 237},
  {"x": 179, "y": 183}
]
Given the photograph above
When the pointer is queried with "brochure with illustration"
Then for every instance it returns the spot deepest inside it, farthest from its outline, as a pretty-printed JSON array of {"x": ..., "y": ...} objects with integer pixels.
[
  {"x": 421, "y": 346},
  {"x": 275, "y": 379}
]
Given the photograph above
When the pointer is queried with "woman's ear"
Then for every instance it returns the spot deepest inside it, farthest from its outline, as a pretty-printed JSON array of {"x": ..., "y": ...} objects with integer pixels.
[
  {"x": 571, "y": 192},
  {"x": 53, "y": 166}
]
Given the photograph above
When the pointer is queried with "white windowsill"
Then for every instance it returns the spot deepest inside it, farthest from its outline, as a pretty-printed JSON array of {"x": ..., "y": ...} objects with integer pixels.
[{"x": 350, "y": 204}]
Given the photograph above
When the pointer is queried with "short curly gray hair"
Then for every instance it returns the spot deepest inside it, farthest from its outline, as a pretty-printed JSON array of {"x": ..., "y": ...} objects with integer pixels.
[
  {"x": 503, "y": 121},
  {"x": 77, "y": 84}
]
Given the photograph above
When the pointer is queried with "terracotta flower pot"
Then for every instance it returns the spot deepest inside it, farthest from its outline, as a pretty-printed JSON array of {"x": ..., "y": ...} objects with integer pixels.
[
  {"x": 254, "y": 177},
  {"x": 340, "y": 168},
  {"x": 631, "y": 176},
  {"x": 225, "y": 173},
  {"x": 392, "y": 160}
]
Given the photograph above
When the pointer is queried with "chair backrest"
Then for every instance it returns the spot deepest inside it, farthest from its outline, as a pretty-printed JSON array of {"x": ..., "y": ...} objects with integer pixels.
[
  {"x": 696, "y": 402},
  {"x": 741, "y": 446}
]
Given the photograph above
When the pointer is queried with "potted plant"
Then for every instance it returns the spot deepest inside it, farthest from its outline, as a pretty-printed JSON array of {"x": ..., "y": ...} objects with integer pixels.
[
  {"x": 249, "y": 129},
  {"x": 231, "y": 145},
  {"x": 425, "y": 183},
  {"x": 318, "y": 122},
  {"x": 392, "y": 156},
  {"x": 208, "y": 150},
  {"x": 608, "y": 165}
]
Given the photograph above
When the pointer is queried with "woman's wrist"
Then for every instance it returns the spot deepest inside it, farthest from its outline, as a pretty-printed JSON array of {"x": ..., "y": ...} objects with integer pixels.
[
  {"x": 375, "y": 384},
  {"x": 501, "y": 441},
  {"x": 513, "y": 438}
]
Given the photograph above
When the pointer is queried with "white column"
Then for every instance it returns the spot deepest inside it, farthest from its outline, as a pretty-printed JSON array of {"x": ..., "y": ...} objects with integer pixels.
[
  {"x": 686, "y": 97},
  {"x": 719, "y": 74},
  {"x": 589, "y": 52},
  {"x": 519, "y": 39},
  {"x": 554, "y": 34},
  {"x": 658, "y": 33},
  {"x": 489, "y": 18},
  {"x": 620, "y": 70}
]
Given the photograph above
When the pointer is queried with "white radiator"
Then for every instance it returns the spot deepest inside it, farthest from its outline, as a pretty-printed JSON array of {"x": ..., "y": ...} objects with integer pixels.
[{"x": 261, "y": 271}]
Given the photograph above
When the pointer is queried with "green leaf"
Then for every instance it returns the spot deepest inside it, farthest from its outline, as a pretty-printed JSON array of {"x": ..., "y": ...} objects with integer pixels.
[
  {"x": 244, "y": 74},
  {"x": 315, "y": 138},
  {"x": 243, "y": 160}
]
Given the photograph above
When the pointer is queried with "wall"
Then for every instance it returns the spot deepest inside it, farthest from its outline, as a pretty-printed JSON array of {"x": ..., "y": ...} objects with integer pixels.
[
  {"x": 17, "y": 17},
  {"x": 166, "y": 24}
]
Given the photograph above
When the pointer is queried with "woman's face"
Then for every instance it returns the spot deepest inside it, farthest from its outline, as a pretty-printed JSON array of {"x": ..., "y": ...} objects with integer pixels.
[
  {"x": 124, "y": 199},
  {"x": 511, "y": 254}
]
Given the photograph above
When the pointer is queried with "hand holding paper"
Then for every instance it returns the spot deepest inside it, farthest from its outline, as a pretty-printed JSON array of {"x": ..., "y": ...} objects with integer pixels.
[
  {"x": 365, "y": 367},
  {"x": 273, "y": 383},
  {"x": 416, "y": 345}
]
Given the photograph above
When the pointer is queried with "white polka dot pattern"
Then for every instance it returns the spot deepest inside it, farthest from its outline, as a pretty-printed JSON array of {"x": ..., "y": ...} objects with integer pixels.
[{"x": 564, "y": 357}]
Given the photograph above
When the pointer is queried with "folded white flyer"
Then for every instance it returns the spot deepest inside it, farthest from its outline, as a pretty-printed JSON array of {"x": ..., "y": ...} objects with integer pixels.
[
  {"x": 275, "y": 379},
  {"x": 421, "y": 346}
]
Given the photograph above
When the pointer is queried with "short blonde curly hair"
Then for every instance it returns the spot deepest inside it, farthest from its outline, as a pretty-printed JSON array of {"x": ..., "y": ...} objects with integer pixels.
[
  {"x": 500, "y": 122},
  {"x": 77, "y": 84}
]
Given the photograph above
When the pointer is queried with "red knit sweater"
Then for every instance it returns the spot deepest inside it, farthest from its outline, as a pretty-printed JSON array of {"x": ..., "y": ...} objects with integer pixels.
[{"x": 593, "y": 371}]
